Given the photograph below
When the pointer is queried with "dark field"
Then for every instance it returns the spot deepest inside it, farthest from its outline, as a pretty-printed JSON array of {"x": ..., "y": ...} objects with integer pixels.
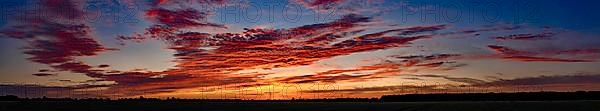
[{"x": 303, "y": 106}]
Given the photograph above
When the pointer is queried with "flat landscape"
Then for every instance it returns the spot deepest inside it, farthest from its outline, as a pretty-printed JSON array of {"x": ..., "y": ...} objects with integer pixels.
[{"x": 305, "y": 106}]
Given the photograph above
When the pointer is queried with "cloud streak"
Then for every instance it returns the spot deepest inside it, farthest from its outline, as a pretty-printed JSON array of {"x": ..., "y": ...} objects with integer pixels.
[{"x": 507, "y": 53}]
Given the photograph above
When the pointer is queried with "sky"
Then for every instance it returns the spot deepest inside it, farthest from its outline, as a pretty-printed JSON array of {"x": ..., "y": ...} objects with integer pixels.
[{"x": 284, "y": 49}]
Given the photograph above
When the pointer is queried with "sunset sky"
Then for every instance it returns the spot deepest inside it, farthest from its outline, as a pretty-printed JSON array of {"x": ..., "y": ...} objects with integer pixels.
[{"x": 283, "y": 49}]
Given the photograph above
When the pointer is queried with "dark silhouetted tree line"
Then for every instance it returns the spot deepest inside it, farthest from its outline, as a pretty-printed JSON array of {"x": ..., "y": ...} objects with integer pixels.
[{"x": 516, "y": 96}]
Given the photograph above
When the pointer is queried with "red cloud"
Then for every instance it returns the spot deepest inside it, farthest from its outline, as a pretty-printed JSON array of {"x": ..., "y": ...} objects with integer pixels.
[
  {"x": 53, "y": 42},
  {"x": 542, "y": 59},
  {"x": 158, "y": 2},
  {"x": 269, "y": 48},
  {"x": 505, "y": 50},
  {"x": 526, "y": 36},
  {"x": 391, "y": 68},
  {"x": 212, "y": 3},
  {"x": 512, "y": 54},
  {"x": 319, "y": 4},
  {"x": 182, "y": 18},
  {"x": 168, "y": 24}
]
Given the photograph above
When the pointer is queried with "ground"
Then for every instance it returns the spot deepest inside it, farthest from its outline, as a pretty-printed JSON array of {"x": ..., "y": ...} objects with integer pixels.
[{"x": 304, "y": 106}]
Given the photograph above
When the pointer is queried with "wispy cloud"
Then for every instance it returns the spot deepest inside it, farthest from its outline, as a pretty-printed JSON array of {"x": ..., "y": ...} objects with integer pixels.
[
  {"x": 525, "y": 56},
  {"x": 547, "y": 80},
  {"x": 54, "y": 42}
]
